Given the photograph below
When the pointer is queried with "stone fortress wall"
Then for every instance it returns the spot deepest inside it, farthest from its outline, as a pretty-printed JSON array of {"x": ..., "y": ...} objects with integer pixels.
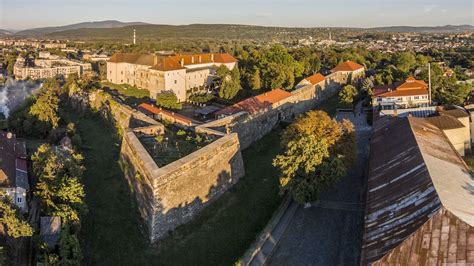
[
  {"x": 253, "y": 127},
  {"x": 172, "y": 195}
]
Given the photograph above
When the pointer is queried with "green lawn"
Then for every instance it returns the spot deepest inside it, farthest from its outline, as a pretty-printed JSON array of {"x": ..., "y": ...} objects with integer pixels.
[
  {"x": 331, "y": 105},
  {"x": 112, "y": 231},
  {"x": 127, "y": 90}
]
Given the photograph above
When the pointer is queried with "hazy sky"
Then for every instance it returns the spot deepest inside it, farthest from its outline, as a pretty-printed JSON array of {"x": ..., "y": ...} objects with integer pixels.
[{"x": 21, "y": 14}]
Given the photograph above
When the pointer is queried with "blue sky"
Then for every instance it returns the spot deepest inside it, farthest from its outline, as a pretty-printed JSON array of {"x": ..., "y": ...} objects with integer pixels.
[{"x": 21, "y": 14}]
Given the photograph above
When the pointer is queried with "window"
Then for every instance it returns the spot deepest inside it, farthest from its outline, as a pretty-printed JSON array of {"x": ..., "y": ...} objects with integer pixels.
[
  {"x": 400, "y": 99},
  {"x": 18, "y": 200},
  {"x": 175, "y": 82},
  {"x": 416, "y": 97},
  {"x": 121, "y": 72}
]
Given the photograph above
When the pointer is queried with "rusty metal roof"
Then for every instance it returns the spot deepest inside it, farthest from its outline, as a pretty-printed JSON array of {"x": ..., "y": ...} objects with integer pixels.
[
  {"x": 414, "y": 174},
  {"x": 442, "y": 239}
]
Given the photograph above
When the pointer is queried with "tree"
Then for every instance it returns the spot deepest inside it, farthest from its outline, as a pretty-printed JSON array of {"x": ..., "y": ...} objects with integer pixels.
[
  {"x": 59, "y": 188},
  {"x": 46, "y": 108},
  {"x": 10, "y": 218},
  {"x": 278, "y": 68},
  {"x": 317, "y": 152},
  {"x": 168, "y": 99},
  {"x": 230, "y": 84},
  {"x": 454, "y": 93},
  {"x": 255, "y": 82},
  {"x": 404, "y": 61},
  {"x": 347, "y": 94},
  {"x": 69, "y": 248}
]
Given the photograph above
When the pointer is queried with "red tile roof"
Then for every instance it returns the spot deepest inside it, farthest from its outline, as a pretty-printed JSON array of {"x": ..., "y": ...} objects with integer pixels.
[
  {"x": 169, "y": 63},
  {"x": 148, "y": 108},
  {"x": 410, "y": 87},
  {"x": 347, "y": 66},
  {"x": 315, "y": 79},
  {"x": 256, "y": 103}
]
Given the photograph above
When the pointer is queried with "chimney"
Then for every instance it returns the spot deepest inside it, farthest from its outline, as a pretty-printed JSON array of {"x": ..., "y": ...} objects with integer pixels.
[
  {"x": 200, "y": 59},
  {"x": 192, "y": 59},
  {"x": 182, "y": 62},
  {"x": 212, "y": 57},
  {"x": 155, "y": 60}
]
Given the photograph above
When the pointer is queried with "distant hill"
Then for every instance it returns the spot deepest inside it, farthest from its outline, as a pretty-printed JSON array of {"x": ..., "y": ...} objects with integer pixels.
[
  {"x": 107, "y": 24},
  {"x": 4, "y": 33},
  {"x": 437, "y": 29}
]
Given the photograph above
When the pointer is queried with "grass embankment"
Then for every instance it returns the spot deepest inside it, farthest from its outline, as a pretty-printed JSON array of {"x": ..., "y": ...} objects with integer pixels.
[
  {"x": 127, "y": 90},
  {"x": 219, "y": 235}
]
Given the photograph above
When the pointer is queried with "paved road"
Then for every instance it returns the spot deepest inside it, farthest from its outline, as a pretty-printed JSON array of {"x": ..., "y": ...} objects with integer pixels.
[{"x": 330, "y": 231}]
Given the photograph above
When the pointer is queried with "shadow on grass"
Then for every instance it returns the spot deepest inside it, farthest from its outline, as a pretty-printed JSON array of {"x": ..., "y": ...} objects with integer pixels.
[{"x": 112, "y": 231}]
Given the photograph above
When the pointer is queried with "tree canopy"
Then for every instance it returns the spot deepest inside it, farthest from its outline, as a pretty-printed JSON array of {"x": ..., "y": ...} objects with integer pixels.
[
  {"x": 11, "y": 219},
  {"x": 348, "y": 94},
  {"x": 317, "y": 152},
  {"x": 59, "y": 187},
  {"x": 168, "y": 100}
]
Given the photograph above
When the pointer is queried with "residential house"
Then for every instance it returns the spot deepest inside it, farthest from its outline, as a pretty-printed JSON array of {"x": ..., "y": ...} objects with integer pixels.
[
  {"x": 420, "y": 203},
  {"x": 13, "y": 169},
  {"x": 181, "y": 74},
  {"x": 405, "y": 94}
]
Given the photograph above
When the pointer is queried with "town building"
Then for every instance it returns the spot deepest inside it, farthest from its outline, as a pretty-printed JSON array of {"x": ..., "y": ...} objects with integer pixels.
[
  {"x": 181, "y": 74},
  {"x": 48, "y": 68},
  {"x": 13, "y": 169},
  {"x": 348, "y": 72},
  {"x": 95, "y": 57},
  {"x": 406, "y": 94},
  {"x": 420, "y": 208}
]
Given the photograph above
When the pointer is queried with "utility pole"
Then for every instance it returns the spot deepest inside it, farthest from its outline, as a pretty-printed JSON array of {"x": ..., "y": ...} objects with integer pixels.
[{"x": 429, "y": 83}]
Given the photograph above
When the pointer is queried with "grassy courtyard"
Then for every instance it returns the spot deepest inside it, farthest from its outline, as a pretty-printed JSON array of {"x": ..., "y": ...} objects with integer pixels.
[
  {"x": 127, "y": 90},
  {"x": 173, "y": 145},
  {"x": 112, "y": 233}
]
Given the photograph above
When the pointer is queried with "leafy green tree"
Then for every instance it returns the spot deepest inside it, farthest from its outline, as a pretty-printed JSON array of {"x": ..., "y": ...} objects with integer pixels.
[
  {"x": 230, "y": 85},
  {"x": 278, "y": 68},
  {"x": 317, "y": 152},
  {"x": 69, "y": 248},
  {"x": 46, "y": 108},
  {"x": 404, "y": 61},
  {"x": 347, "y": 94},
  {"x": 168, "y": 100},
  {"x": 454, "y": 93},
  {"x": 255, "y": 82},
  {"x": 11, "y": 219},
  {"x": 59, "y": 188}
]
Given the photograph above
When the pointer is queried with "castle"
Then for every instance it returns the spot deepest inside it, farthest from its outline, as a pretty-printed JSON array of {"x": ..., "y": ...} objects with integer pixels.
[{"x": 182, "y": 74}]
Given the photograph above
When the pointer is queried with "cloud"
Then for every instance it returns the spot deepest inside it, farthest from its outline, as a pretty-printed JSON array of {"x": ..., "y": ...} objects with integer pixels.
[{"x": 429, "y": 8}]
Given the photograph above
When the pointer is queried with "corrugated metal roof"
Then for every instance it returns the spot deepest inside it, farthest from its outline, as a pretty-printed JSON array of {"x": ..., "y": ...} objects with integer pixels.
[
  {"x": 400, "y": 196},
  {"x": 414, "y": 174},
  {"x": 442, "y": 239}
]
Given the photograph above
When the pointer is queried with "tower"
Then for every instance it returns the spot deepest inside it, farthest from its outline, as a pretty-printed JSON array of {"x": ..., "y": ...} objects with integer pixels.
[
  {"x": 330, "y": 35},
  {"x": 134, "y": 37}
]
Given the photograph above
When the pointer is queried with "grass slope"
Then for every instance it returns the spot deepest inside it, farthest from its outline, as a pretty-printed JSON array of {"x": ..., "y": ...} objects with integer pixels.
[{"x": 111, "y": 233}]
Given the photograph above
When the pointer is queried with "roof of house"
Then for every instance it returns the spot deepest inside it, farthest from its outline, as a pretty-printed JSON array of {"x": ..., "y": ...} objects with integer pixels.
[
  {"x": 410, "y": 160},
  {"x": 316, "y": 78},
  {"x": 50, "y": 229},
  {"x": 409, "y": 87},
  {"x": 173, "y": 62},
  {"x": 458, "y": 113},
  {"x": 151, "y": 109},
  {"x": 256, "y": 103},
  {"x": 347, "y": 66},
  {"x": 445, "y": 122},
  {"x": 12, "y": 157}
]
